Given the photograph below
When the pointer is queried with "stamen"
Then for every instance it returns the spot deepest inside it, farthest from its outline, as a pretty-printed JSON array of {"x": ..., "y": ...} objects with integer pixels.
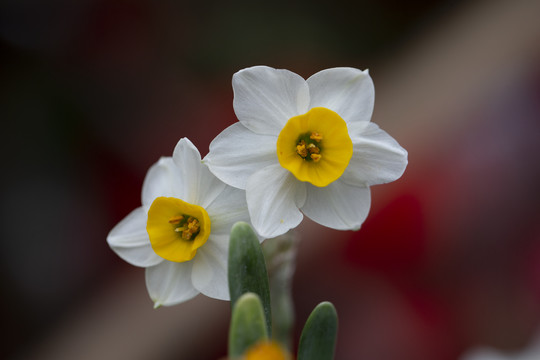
[
  {"x": 308, "y": 146},
  {"x": 193, "y": 224},
  {"x": 313, "y": 149},
  {"x": 301, "y": 149},
  {"x": 315, "y": 136},
  {"x": 188, "y": 228},
  {"x": 191, "y": 228},
  {"x": 176, "y": 219}
]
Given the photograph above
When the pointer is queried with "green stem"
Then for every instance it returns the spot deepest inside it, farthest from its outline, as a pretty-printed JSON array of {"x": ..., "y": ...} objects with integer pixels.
[{"x": 280, "y": 255}]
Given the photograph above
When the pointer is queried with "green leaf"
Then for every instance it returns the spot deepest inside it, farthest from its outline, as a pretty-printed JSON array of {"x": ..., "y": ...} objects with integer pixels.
[
  {"x": 280, "y": 256},
  {"x": 248, "y": 325},
  {"x": 318, "y": 339},
  {"x": 247, "y": 268}
]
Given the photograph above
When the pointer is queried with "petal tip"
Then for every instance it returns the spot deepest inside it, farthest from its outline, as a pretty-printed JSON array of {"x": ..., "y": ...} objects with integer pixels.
[
  {"x": 184, "y": 144},
  {"x": 157, "y": 304}
]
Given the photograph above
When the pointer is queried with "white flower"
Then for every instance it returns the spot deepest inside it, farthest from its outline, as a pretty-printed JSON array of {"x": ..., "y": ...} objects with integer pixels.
[
  {"x": 180, "y": 234},
  {"x": 305, "y": 146},
  {"x": 530, "y": 352}
]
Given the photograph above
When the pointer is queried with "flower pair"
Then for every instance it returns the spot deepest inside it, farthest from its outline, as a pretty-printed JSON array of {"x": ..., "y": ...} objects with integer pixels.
[{"x": 300, "y": 147}]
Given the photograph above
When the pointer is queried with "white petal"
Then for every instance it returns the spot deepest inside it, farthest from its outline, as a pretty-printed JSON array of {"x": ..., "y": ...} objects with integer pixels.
[
  {"x": 338, "y": 205},
  {"x": 347, "y": 91},
  {"x": 266, "y": 98},
  {"x": 273, "y": 196},
  {"x": 169, "y": 283},
  {"x": 179, "y": 177},
  {"x": 162, "y": 179},
  {"x": 130, "y": 241},
  {"x": 228, "y": 208},
  {"x": 187, "y": 159},
  {"x": 237, "y": 153},
  {"x": 210, "y": 187},
  {"x": 377, "y": 158},
  {"x": 210, "y": 268}
]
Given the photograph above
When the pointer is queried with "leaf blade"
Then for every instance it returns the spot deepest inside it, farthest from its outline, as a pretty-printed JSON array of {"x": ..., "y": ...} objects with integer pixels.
[
  {"x": 247, "y": 268},
  {"x": 318, "y": 339},
  {"x": 248, "y": 326}
]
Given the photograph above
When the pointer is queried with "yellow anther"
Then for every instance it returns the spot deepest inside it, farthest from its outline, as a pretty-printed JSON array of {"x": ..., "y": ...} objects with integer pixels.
[
  {"x": 176, "y": 219},
  {"x": 193, "y": 224},
  {"x": 191, "y": 227},
  {"x": 313, "y": 149},
  {"x": 315, "y": 136},
  {"x": 309, "y": 149},
  {"x": 315, "y": 157},
  {"x": 301, "y": 149}
]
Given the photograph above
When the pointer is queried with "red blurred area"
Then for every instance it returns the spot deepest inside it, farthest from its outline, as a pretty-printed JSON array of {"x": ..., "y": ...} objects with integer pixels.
[{"x": 458, "y": 238}]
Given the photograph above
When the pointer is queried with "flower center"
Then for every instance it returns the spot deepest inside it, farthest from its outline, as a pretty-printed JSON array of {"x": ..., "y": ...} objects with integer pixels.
[
  {"x": 176, "y": 228},
  {"x": 187, "y": 225},
  {"x": 315, "y": 146},
  {"x": 308, "y": 146}
]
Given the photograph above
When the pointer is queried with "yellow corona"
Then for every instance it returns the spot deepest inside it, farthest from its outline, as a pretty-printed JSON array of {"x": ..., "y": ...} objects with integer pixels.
[
  {"x": 315, "y": 147},
  {"x": 176, "y": 228}
]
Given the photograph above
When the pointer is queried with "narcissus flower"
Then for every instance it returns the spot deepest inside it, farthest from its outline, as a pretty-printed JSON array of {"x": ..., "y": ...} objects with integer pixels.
[
  {"x": 305, "y": 146},
  {"x": 266, "y": 350},
  {"x": 180, "y": 234}
]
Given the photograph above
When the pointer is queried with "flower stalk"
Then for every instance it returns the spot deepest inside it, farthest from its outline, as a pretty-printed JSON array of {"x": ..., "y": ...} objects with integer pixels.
[{"x": 280, "y": 255}]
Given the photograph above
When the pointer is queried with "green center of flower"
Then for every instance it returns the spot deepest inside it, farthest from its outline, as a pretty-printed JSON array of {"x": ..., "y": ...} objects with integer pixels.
[
  {"x": 315, "y": 147},
  {"x": 176, "y": 228}
]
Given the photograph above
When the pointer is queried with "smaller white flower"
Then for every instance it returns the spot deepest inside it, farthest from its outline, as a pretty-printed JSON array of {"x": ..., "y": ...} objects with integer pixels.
[
  {"x": 305, "y": 147},
  {"x": 531, "y": 352},
  {"x": 180, "y": 234}
]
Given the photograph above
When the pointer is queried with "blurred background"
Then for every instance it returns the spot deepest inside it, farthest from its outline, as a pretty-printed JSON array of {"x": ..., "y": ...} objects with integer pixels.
[{"x": 93, "y": 92}]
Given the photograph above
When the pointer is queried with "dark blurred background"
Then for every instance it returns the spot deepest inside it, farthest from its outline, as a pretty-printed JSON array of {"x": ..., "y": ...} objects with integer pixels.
[{"x": 93, "y": 92}]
